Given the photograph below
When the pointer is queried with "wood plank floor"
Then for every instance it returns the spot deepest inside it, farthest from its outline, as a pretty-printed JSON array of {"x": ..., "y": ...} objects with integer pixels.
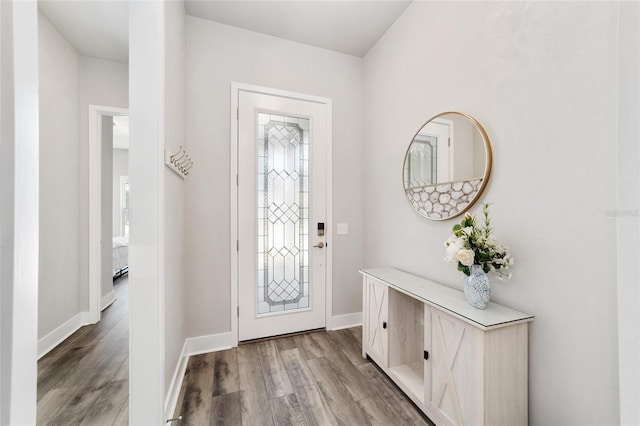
[
  {"x": 318, "y": 378},
  {"x": 85, "y": 379}
]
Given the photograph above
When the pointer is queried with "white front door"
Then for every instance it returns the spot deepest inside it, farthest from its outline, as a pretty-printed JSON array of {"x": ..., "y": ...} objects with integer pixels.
[
  {"x": 440, "y": 128},
  {"x": 281, "y": 214}
]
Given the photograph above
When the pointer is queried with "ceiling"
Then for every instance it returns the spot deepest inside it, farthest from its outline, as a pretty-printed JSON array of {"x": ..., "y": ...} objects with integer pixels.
[
  {"x": 99, "y": 28},
  {"x": 350, "y": 27}
]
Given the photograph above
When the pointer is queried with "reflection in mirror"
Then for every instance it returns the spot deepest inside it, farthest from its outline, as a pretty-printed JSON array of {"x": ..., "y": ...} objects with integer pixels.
[
  {"x": 422, "y": 166},
  {"x": 447, "y": 165}
]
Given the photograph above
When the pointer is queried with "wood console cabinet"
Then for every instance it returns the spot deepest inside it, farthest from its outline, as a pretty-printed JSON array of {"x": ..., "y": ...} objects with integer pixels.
[{"x": 460, "y": 365}]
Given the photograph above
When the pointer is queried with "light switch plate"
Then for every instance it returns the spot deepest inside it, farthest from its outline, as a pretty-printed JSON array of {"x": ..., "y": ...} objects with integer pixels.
[{"x": 343, "y": 229}]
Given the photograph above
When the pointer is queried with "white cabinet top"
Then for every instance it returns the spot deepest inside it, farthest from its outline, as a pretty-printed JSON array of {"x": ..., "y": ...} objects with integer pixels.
[{"x": 448, "y": 299}]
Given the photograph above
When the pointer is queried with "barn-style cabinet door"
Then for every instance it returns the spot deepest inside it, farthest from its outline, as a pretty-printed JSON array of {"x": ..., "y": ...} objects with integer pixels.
[
  {"x": 453, "y": 369},
  {"x": 376, "y": 336}
]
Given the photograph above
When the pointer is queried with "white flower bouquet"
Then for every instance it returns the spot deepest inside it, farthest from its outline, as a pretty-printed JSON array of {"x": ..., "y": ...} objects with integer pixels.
[{"x": 472, "y": 244}]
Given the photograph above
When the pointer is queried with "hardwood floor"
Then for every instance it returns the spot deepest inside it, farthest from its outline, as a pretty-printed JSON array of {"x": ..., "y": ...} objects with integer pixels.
[
  {"x": 319, "y": 378},
  {"x": 85, "y": 379}
]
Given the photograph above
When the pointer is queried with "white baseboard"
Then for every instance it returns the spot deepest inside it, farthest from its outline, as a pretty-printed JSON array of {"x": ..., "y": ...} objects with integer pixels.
[
  {"x": 339, "y": 322},
  {"x": 210, "y": 343},
  {"x": 176, "y": 383},
  {"x": 192, "y": 346},
  {"x": 107, "y": 300},
  {"x": 57, "y": 336}
]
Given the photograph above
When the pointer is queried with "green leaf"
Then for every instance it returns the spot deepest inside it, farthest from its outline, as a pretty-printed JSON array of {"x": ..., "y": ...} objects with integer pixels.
[{"x": 464, "y": 269}]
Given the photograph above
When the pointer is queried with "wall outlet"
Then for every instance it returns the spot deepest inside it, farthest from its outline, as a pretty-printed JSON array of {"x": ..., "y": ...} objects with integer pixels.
[{"x": 343, "y": 229}]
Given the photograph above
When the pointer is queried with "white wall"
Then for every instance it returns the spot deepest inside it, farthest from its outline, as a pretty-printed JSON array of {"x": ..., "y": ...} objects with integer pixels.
[
  {"x": 59, "y": 179},
  {"x": 174, "y": 207},
  {"x": 627, "y": 212},
  {"x": 541, "y": 78},
  {"x": 69, "y": 84},
  {"x": 120, "y": 168},
  {"x": 6, "y": 207},
  {"x": 479, "y": 156},
  {"x": 103, "y": 83},
  {"x": 155, "y": 326},
  {"x": 462, "y": 148},
  {"x": 18, "y": 211},
  {"x": 216, "y": 56}
]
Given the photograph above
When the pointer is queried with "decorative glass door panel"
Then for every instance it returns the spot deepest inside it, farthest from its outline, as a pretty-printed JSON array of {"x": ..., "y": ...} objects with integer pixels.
[
  {"x": 283, "y": 213},
  {"x": 282, "y": 164}
]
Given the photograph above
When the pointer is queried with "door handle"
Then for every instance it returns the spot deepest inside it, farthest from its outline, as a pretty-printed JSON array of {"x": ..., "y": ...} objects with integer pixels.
[{"x": 319, "y": 245}]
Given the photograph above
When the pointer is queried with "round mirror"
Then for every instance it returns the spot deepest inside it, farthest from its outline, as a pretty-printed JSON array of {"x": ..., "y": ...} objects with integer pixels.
[{"x": 447, "y": 166}]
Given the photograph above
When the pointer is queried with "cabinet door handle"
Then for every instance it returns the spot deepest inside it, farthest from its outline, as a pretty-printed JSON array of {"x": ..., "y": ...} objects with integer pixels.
[{"x": 384, "y": 325}]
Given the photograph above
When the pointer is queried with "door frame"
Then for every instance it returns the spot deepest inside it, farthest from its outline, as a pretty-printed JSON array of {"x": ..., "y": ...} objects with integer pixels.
[
  {"x": 95, "y": 205},
  {"x": 236, "y": 88}
]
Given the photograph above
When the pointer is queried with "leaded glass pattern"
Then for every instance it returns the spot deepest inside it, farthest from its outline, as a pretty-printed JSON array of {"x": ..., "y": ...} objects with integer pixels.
[
  {"x": 422, "y": 164},
  {"x": 283, "y": 213}
]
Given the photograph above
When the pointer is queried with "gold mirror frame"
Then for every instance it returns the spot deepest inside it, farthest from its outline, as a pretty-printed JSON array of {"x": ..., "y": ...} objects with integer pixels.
[{"x": 416, "y": 196}]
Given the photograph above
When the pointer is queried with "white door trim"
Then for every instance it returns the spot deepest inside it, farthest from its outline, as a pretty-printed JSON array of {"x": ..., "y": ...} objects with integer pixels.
[
  {"x": 236, "y": 88},
  {"x": 95, "y": 205}
]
